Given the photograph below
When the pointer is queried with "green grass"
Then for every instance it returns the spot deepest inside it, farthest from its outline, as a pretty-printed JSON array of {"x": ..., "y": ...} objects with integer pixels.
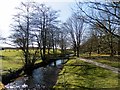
[
  {"x": 110, "y": 63},
  {"x": 105, "y": 59},
  {"x": 79, "y": 74},
  {"x": 11, "y": 60}
]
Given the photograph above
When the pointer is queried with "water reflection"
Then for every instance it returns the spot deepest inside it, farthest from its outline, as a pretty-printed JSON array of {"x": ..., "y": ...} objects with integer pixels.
[
  {"x": 58, "y": 62},
  {"x": 17, "y": 84},
  {"x": 42, "y": 78}
]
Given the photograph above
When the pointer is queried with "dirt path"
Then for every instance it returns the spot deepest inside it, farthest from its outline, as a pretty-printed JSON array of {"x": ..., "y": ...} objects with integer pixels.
[{"x": 113, "y": 69}]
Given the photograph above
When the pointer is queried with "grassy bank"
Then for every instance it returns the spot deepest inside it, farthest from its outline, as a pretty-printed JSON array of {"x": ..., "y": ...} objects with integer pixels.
[
  {"x": 79, "y": 74},
  {"x": 11, "y": 59}
]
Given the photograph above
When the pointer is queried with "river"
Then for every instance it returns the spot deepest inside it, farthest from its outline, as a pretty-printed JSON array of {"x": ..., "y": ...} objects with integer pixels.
[{"x": 41, "y": 79}]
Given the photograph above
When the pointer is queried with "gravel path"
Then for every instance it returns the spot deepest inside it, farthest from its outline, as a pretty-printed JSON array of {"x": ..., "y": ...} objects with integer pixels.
[{"x": 113, "y": 69}]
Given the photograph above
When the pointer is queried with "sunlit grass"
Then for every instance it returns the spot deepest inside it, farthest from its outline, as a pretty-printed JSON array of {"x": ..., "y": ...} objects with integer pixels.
[
  {"x": 105, "y": 59},
  {"x": 110, "y": 63},
  {"x": 12, "y": 59},
  {"x": 10, "y": 53},
  {"x": 79, "y": 74},
  {"x": 93, "y": 55},
  {"x": 6, "y": 65}
]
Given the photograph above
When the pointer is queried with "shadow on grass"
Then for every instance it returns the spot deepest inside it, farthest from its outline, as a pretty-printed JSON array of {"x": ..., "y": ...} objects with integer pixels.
[
  {"x": 77, "y": 87},
  {"x": 85, "y": 76},
  {"x": 114, "y": 58}
]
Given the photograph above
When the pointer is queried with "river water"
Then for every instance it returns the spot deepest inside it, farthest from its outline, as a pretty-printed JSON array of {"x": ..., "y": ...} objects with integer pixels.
[{"x": 41, "y": 79}]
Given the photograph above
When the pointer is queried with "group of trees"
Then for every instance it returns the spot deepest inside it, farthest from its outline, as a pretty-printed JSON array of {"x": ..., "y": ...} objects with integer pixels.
[
  {"x": 75, "y": 27},
  {"x": 94, "y": 27},
  {"x": 104, "y": 26},
  {"x": 36, "y": 25}
]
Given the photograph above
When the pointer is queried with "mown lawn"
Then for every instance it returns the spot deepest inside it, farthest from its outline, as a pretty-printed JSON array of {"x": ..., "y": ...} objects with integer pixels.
[{"x": 82, "y": 75}]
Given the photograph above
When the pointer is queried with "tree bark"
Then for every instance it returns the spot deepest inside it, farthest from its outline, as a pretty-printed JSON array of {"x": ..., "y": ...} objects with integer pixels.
[
  {"x": 78, "y": 52},
  {"x": 119, "y": 46},
  {"x": 74, "y": 48}
]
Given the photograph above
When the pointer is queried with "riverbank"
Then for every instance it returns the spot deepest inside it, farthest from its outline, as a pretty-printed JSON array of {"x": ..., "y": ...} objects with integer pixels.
[
  {"x": 41, "y": 78},
  {"x": 83, "y": 75},
  {"x": 9, "y": 77},
  {"x": 12, "y": 60}
]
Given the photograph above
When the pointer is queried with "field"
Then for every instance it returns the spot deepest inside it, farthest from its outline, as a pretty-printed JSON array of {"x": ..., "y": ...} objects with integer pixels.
[
  {"x": 79, "y": 74},
  {"x": 105, "y": 59},
  {"x": 11, "y": 60},
  {"x": 75, "y": 74}
]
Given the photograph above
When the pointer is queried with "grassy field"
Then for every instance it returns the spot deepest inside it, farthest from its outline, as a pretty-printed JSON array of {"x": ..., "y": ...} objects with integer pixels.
[
  {"x": 105, "y": 59},
  {"x": 79, "y": 74},
  {"x": 75, "y": 74},
  {"x": 11, "y": 60}
]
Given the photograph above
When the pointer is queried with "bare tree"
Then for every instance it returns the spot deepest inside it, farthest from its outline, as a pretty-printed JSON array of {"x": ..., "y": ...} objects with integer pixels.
[
  {"x": 105, "y": 16},
  {"x": 75, "y": 27},
  {"x": 63, "y": 39},
  {"x": 44, "y": 22},
  {"x": 22, "y": 36}
]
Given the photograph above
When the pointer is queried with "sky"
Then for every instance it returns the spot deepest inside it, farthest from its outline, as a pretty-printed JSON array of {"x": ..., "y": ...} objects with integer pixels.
[{"x": 7, "y": 10}]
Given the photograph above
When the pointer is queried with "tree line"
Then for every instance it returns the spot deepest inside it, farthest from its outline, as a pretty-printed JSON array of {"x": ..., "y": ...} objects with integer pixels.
[
  {"x": 37, "y": 26},
  {"x": 92, "y": 27},
  {"x": 95, "y": 27},
  {"x": 104, "y": 26}
]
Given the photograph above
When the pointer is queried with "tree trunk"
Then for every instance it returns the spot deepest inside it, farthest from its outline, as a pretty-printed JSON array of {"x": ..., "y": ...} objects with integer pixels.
[
  {"x": 111, "y": 46},
  {"x": 90, "y": 50},
  {"x": 53, "y": 48},
  {"x": 62, "y": 50},
  {"x": 111, "y": 49},
  {"x": 74, "y": 48},
  {"x": 98, "y": 51},
  {"x": 111, "y": 52},
  {"x": 119, "y": 46},
  {"x": 48, "y": 50},
  {"x": 44, "y": 49},
  {"x": 78, "y": 52},
  {"x": 54, "y": 63}
]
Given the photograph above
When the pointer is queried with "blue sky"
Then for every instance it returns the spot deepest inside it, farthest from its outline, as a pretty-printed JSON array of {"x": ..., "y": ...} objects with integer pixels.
[{"x": 7, "y": 10}]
